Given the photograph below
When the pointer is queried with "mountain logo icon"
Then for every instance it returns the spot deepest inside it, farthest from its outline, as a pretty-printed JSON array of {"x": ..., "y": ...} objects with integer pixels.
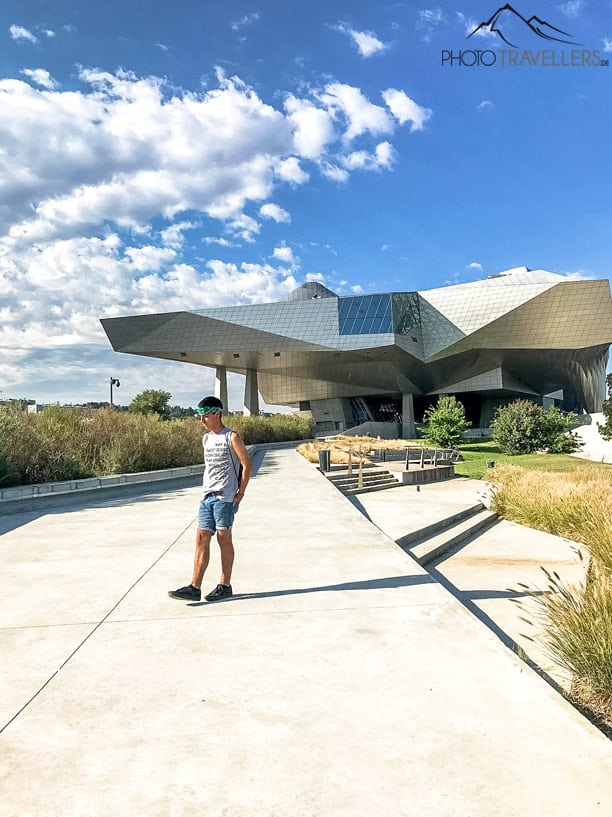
[{"x": 505, "y": 19}]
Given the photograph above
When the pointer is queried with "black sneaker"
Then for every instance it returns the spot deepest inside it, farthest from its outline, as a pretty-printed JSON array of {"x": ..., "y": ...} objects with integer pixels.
[
  {"x": 221, "y": 591},
  {"x": 189, "y": 593}
]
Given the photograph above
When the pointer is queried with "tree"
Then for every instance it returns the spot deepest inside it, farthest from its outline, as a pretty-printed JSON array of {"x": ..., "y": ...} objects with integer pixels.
[
  {"x": 606, "y": 429},
  {"x": 151, "y": 401},
  {"x": 180, "y": 413},
  {"x": 523, "y": 427},
  {"x": 445, "y": 423}
]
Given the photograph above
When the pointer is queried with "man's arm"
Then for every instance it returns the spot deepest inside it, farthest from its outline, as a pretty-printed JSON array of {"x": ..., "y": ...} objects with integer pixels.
[{"x": 247, "y": 465}]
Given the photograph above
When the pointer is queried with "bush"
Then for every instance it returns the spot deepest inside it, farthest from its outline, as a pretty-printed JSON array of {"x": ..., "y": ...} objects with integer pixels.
[
  {"x": 275, "y": 429},
  {"x": 523, "y": 427},
  {"x": 40, "y": 448},
  {"x": 151, "y": 401},
  {"x": 72, "y": 443},
  {"x": 445, "y": 423}
]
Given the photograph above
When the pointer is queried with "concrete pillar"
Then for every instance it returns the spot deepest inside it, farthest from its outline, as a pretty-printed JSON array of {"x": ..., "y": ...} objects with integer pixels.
[
  {"x": 221, "y": 385},
  {"x": 251, "y": 396},
  {"x": 408, "y": 426}
]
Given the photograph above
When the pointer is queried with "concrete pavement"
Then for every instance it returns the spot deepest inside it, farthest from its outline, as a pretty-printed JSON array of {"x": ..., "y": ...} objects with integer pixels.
[
  {"x": 486, "y": 572},
  {"x": 342, "y": 679}
]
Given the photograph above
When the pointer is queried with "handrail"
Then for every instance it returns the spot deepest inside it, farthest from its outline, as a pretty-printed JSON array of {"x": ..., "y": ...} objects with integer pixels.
[{"x": 431, "y": 456}]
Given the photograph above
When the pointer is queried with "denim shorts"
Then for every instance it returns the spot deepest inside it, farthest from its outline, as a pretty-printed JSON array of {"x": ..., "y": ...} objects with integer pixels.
[{"x": 215, "y": 514}]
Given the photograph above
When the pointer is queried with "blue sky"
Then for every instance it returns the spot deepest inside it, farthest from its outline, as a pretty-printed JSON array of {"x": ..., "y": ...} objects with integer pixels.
[{"x": 158, "y": 157}]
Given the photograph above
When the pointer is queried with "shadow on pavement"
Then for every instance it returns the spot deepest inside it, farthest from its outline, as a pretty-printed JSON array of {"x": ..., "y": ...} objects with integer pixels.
[{"x": 371, "y": 584}]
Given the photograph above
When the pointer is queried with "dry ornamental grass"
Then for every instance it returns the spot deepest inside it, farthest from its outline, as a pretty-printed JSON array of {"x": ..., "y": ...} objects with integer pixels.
[{"x": 578, "y": 619}]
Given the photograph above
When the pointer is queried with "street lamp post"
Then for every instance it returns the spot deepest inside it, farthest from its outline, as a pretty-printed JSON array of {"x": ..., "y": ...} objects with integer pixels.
[{"x": 113, "y": 382}]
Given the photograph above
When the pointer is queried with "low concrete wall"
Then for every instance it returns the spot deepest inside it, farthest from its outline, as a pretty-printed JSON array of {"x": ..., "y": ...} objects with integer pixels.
[
  {"x": 419, "y": 476},
  {"x": 93, "y": 483}
]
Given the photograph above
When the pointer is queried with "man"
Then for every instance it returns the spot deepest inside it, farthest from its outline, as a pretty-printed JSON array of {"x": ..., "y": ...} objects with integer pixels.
[{"x": 227, "y": 470}]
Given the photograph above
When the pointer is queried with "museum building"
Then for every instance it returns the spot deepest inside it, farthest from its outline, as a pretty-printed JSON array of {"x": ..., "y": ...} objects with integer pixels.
[{"x": 378, "y": 361}]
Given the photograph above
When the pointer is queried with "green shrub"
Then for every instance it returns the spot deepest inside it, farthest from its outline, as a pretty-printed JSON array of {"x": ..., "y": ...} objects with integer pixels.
[
  {"x": 70, "y": 443},
  {"x": 40, "y": 448},
  {"x": 151, "y": 401},
  {"x": 523, "y": 427},
  {"x": 275, "y": 429},
  {"x": 445, "y": 423}
]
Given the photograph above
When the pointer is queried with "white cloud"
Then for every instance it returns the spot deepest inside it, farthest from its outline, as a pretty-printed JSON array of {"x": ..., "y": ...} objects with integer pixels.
[
  {"x": 41, "y": 77},
  {"x": 607, "y": 45},
  {"x": 96, "y": 224},
  {"x": 247, "y": 20},
  {"x": 486, "y": 103},
  {"x": 313, "y": 127},
  {"x": 333, "y": 172},
  {"x": 428, "y": 21},
  {"x": 381, "y": 158},
  {"x": 572, "y": 8},
  {"x": 275, "y": 212},
  {"x": 284, "y": 254},
  {"x": 223, "y": 242},
  {"x": 20, "y": 33},
  {"x": 367, "y": 42},
  {"x": 475, "y": 265},
  {"x": 48, "y": 33},
  {"x": 579, "y": 275},
  {"x": 173, "y": 236},
  {"x": 361, "y": 115},
  {"x": 470, "y": 25},
  {"x": 405, "y": 109}
]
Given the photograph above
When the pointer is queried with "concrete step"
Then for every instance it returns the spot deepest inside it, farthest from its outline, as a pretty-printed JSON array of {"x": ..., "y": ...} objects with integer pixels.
[
  {"x": 439, "y": 525},
  {"x": 426, "y": 550},
  {"x": 339, "y": 482},
  {"x": 367, "y": 488},
  {"x": 368, "y": 476},
  {"x": 374, "y": 480}
]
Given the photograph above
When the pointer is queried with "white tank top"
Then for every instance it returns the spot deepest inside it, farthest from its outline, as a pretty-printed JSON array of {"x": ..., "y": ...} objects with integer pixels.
[{"x": 221, "y": 465}]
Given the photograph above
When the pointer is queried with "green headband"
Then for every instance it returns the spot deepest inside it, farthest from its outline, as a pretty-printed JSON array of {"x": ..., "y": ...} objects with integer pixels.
[{"x": 208, "y": 410}]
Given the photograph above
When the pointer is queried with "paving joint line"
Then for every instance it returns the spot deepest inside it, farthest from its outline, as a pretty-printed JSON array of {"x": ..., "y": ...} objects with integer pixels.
[{"x": 98, "y": 625}]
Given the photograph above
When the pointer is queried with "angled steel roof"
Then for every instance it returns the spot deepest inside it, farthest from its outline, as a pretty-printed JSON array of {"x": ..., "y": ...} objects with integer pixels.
[{"x": 522, "y": 330}]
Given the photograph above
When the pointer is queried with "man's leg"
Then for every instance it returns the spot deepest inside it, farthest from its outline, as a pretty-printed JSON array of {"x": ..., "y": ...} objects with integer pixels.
[
  {"x": 202, "y": 556},
  {"x": 224, "y": 537}
]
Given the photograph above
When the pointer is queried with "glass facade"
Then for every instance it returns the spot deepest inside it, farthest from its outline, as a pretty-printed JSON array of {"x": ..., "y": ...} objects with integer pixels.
[
  {"x": 379, "y": 314},
  {"x": 365, "y": 315},
  {"x": 406, "y": 316}
]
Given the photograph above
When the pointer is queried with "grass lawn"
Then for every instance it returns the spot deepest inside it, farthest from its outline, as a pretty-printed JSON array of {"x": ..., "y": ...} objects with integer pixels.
[{"x": 476, "y": 454}]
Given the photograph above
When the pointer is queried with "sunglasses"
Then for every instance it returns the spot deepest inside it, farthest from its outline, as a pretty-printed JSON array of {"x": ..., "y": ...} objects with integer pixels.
[{"x": 208, "y": 410}]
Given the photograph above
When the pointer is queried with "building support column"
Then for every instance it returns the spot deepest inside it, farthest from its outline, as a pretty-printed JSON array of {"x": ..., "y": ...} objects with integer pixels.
[
  {"x": 408, "y": 425},
  {"x": 251, "y": 396},
  {"x": 221, "y": 386}
]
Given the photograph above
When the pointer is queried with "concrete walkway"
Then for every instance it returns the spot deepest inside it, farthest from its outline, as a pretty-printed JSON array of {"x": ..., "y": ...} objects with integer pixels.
[{"x": 342, "y": 679}]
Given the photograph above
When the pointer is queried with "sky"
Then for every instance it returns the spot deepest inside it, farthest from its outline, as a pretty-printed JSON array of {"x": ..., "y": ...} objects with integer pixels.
[{"x": 157, "y": 157}]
